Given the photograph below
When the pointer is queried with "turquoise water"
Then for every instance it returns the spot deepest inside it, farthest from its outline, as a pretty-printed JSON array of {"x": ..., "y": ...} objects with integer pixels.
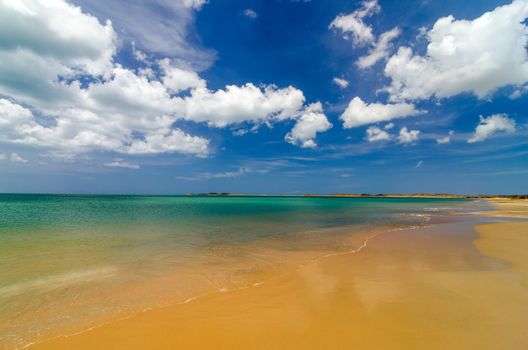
[
  {"x": 76, "y": 259},
  {"x": 239, "y": 218}
]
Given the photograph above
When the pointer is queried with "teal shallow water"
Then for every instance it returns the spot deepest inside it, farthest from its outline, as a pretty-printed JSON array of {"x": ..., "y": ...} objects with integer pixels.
[{"x": 67, "y": 259}]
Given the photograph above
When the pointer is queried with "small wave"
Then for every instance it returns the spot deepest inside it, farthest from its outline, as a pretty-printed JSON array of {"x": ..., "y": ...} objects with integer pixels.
[
  {"x": 55, "y": 282},
  {"x": 368, "y": 239}
]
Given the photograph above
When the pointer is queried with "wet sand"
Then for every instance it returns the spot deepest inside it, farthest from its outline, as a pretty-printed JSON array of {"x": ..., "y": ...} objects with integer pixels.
[{"x": 439, "y": 287}]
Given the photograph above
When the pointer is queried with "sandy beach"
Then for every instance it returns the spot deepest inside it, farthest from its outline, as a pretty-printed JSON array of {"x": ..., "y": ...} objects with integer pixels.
[{"x": 443, "y": 286}]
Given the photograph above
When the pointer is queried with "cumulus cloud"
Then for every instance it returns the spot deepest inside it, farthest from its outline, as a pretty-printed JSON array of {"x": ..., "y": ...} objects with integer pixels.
[
  {"x": 446, "y": 139},
  {"x": 477, "y": 56},
  {"x": 51, "y": 47},
  {"x": 342, "y": 83},
  {"x": 379, "y": 50},
  {"x": 59, "y": 32},
  {"x": 2, "y": 156},
  {"x": 11, "y": 117},
  {"x": 45, "y": 44},
  {"x": 81, "y": 131},
  {"x": 360, "y": 113},
  {"x": 311, "y": 122},
  {"x": 491, "y": 125},
  {"x": 353, "y": 25},
  {"x": 375, "y": 133},
  {"x": 408, "y": 136},
  {"x": 177, "y": 79},
  {"x": 120, "y": 163},
  {"x": 65, "y": 93},
  {"x": 170, "y": 140},
  {"x": 250, "y": 13},
  {"x": 130, "y": 94},
  {"x": 238, "y": 104},
  {"x": 388, "y": 126}
]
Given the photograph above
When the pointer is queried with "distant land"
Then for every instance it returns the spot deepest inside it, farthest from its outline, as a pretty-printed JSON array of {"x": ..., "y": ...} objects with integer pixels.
[{"x": 364, "y": 195}]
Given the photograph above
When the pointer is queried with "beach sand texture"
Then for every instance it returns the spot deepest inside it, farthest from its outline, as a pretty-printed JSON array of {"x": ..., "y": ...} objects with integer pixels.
[{"x": 409, "y": 289}]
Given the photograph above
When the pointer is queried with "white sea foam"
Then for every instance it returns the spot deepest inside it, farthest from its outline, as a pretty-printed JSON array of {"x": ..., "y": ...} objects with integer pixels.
[{"x": 47, "y": 284}]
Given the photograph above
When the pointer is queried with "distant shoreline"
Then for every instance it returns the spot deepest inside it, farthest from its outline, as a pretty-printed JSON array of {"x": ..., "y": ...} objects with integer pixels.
[
  {"x": 362, "y": 195},
  {"x": 308, "y": 195}
]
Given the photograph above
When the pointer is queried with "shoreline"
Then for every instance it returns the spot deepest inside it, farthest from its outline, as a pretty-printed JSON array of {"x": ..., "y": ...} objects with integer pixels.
[
  {"x": 362, "y": 236},
  {"x": 431, "y": 287}
]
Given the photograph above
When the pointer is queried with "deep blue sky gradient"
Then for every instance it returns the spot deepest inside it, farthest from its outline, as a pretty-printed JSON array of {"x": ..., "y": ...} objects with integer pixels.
[{"x": 289, "y": 43}]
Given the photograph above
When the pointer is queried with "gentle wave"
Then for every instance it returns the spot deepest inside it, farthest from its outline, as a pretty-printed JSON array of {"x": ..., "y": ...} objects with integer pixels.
[{"x": 55, "y": 282}]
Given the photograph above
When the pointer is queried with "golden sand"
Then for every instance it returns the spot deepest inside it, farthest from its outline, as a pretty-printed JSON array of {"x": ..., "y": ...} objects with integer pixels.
[
  {"x": 516, "y": 208},
  {"x": 413, "y": 289}
]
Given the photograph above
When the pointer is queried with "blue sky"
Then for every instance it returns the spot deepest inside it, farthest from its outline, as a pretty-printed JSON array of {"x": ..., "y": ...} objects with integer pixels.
[{"x": 274, "y": 96}]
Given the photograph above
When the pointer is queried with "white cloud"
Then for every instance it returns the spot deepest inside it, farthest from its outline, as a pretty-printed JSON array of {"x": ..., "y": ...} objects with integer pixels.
[
  {"x": 408, "y": 136},
  {"x": 360, "y": 113},
  {"x": 45, "y": 56},
  {"x": 352, "y": 24},
  {"x": 15, "y": 158},
  {"x": 477, "y": 56},
  {"x": 12, "y": 116},
  {"x": 379, "y": 50},
  {"x": 196, "y": 4},
  {"x": 138, "y": 54},
  {"x": 120, "y": 163},
  {"x": 342, "y": 83},
  {"x": 422, "y": 33},
  {"x": 130, "y": 94},
  {"x": 250, "y": 13},
  {"x": 518, "y": 92},
  {"x": 238, "y": 104},
  {"x": 170, "y": 140},
  {"x": 375, "y": 133},
  {"x": 208, "y": 175},
  {"x": 227, "y": 174},
  {"x": 177, "y": 79},
  {"x": 240, "y": 132},
  {"x": 2, "y": 156},
  {"x": 446, "y": 139},
  {"x": 82, "y": 130},
  {"x": 59, "y": 32},
  {"x": 491, "y": 125},
  {"x": 311, "y": 122},
  {"x": 45, "y": 44},
  {"x": 419, "y": 164},
  {"x": 388, "y": 126}
]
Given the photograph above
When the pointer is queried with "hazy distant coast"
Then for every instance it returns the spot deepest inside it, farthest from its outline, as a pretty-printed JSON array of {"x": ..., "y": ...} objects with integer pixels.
[{"x": 365, "y": 195}]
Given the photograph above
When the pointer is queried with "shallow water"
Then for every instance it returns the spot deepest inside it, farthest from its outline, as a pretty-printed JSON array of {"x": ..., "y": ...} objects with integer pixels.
[{"x": 72, "y": 261}]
